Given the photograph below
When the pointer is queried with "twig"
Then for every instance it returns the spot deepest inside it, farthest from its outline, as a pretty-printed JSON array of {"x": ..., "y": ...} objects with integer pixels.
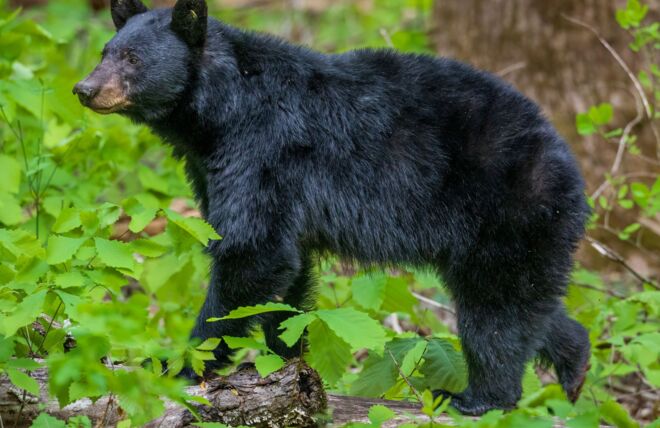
[
  {"x": 601, "y": 290},
  {"x": 20, "y": 409},
  {"x": 433, "y": 303},
  {"x": 631, "y": 75},
  {"x": 405, "y": 378},
  {"x": 393, "y": 320},
  {"x": 619, "y": 60},
  {"x": 511, "y": 68},
  {"x": 612, "y": 255},
  {"x": 386, "y": 36},
  {"x": 622, "y": 147},
  {"x": 50, "y": 325},
  {"x": 623, "y": 140}
]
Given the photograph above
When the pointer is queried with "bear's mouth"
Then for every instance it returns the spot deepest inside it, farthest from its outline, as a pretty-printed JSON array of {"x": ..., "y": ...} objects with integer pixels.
[
  {"x": 109, "y": 108},
  {"x": 102, "y": 95}
]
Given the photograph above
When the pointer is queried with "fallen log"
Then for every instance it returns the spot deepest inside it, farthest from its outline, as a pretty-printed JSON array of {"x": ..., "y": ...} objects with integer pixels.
[{"x": 290, "y": 397}]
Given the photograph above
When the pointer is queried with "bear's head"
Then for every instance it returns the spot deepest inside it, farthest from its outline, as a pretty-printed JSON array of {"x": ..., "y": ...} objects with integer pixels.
[{"x": 147, "y": 65}]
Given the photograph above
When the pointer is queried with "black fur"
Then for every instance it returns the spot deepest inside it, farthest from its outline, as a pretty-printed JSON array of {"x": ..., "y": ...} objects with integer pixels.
[
  {"x": 189, "y": 21},
  {"x": 382, "y": 158},
  {"x": 122, "y": 10}
]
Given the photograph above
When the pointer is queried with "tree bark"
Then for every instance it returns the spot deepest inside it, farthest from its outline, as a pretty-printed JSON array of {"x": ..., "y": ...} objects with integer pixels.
[{"x": 292, "y": 397}]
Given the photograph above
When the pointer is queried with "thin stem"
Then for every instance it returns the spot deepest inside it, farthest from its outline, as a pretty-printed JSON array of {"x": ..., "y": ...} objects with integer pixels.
[
  {"x": 629, "y": 73},
  {"x": 612, "y": 255},
  {"x": 50, "y": 325},
  {"x": 27, "y": 339},
  {"x": 619, "y": 60},
  {"x": 405, "y": 378},
  {"x": 433, "y": 303},
  {"x": 21, "y": 140},
  {"x": 600, "y": 290},
  {"x": 20, "y": 410}
]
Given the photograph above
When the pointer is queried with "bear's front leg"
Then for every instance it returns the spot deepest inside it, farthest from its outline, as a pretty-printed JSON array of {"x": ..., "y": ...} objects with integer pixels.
[{"x": 242, "y": 275}]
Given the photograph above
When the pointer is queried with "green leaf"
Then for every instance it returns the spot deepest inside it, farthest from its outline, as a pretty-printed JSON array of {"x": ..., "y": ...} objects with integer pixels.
[
  {"x": 174, "y": 366},
  {"x": 614, "y": 133},
  {"x": 10, "y": 178},
  {"x": 601, "y": 114},
  {"x": 412, "y": 358},
  {"x": 629, "y": 230},
  {"x": 531, "y": 382},
  {"x": 632, "y": 15},
  {"x": 355, "y": 328},
  {"x": 11, "y": 213},
  {"x": 32, "y": 271},
  {"x": 626, "y": 203},
  {"x": 294, "y": 327},
  {"x": 379, "y": 414},
  {"x": 23, "y": 363},
  {"x": 244, "y": 342},
  {"x": 108, "y": 214},
  {"x": 23, "y": 381},
  {"x": 444, "y": 367},
  {"x": 157, "y": 272},
  {"x": 397, "y": 297},
  {"x": 141, "y": 214},
  {"x": 114, "y": 253},
  {"x": 24, "y": 313},
  {"x": 588, "y": 419},
  {"x": 616, "y": 415},
  {"x": 368, "y": 290},
  {"x": 61, "y": 249},
  {"x": 640, "y": 194},
  {"x": 149, "y": 248},
  {"x": 585, "y": 125},
  {"x": 328, "y": 354},
  {"x": 141, "y": 219},
  {"x": 195, "y": 227},
  {"x": 198, "y": 366},
  {"x": 380, "y": 372},
  {"x": 46, "y": 421},
  {"x": 209, "y": 344},
  {"x": 6, "y": 348},
  {"x": 74, "y": 278},
  {"x": 68, "y": 220},
  {"x": 152, "y": 181},
  {"x": 247, "y": 311},
  {"x": 267, "y": 364}
]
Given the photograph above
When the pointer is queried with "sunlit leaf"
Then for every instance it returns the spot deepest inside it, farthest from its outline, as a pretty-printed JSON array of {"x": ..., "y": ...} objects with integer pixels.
[{"x": 267, "y": 364}]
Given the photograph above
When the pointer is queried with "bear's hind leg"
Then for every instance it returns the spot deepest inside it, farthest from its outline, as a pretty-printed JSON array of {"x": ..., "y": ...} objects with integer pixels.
[
  {"x": 567, "y": 347},
  {"x": 498, "y": 338}
]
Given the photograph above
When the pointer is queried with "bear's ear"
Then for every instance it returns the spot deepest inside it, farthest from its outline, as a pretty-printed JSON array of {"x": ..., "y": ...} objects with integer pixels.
[
  {"x": 189, "y": 20},
  {"x": 123, "y": 10}
]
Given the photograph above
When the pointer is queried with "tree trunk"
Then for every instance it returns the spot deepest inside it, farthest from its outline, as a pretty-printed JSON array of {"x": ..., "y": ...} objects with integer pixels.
[
  {"x": 292, "y": 396},
  {"x": 564, "y": 68}
]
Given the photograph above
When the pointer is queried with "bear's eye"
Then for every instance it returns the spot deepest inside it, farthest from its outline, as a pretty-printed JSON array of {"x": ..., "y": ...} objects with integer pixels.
[{"x": 132, "y": 59}]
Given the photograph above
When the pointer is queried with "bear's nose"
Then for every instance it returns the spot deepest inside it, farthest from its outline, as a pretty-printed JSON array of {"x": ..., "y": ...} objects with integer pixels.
[{"x": 85, "y": 91}]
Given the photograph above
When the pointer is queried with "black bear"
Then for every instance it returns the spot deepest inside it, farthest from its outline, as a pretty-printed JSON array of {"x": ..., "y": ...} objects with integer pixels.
[{"x": 376, "y": 156}]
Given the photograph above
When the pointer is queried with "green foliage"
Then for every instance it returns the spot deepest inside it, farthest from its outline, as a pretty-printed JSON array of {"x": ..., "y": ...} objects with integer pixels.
[
  {"x": 243, "y": 312},
  {"x": 632, "y": 15},
  {"x": 588, "y": 123},
  {"x": 94, "y": 245}
]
